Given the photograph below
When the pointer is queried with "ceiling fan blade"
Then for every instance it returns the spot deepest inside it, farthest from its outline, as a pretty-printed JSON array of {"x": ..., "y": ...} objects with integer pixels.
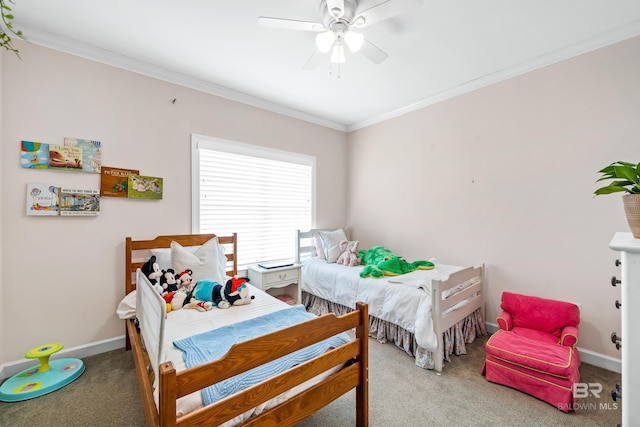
[
  {"x": 373, "y": 52},
  {"x": 382, "y": 11},
  {"x": 336, "y": 8},
  {"x": 289, "y": 24},
  {"x": 313, "y": 60}
]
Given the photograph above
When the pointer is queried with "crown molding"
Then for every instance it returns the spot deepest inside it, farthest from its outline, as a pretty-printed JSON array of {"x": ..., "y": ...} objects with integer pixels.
[
  {"x": 605, "y": 39},
  {"x": 114, "y": 59},
  {"x": 120, "y": 61}
]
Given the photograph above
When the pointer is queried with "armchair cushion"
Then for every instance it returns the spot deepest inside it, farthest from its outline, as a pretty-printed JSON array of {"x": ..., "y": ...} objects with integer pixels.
[
  {"x": 543, "y": 314},
  {"x": 556, "y": 360},
  {"x": 534, "y": 334}
]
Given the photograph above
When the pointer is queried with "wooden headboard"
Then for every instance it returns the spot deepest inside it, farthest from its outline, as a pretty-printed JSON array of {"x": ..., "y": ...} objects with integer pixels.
[
  {"x": 137, "y": 252},
  {"x": 135, "y": 257}
]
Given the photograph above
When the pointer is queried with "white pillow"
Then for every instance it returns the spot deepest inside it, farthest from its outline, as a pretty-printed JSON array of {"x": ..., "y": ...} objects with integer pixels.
[
  {"x": 127, "y": 307},
  {"x": 163, "y": 256},
  {"x": 206, "y": 262},
  {"x": 330, "y": 243},
  {"x": 317, "y": 242}
]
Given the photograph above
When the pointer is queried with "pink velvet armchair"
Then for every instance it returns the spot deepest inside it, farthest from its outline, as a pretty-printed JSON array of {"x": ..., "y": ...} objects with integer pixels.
[{"x": 534, "y": 349}]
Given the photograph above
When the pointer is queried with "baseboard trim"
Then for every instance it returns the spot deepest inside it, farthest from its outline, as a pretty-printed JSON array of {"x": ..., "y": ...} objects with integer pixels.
[
  {"x": 91, "y": 349},
  {"x": 587, "y": 356},
  {"x": 600, "y": 360}
]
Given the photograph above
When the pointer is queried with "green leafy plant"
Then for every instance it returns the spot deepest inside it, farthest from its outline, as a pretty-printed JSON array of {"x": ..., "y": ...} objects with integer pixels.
[
  {"x": 626, "y": 178},
  {"x": 6, "y": 29}
]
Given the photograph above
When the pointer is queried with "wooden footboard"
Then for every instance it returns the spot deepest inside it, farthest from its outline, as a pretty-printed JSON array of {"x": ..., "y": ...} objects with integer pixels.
[{"x": 244, "y": 356}]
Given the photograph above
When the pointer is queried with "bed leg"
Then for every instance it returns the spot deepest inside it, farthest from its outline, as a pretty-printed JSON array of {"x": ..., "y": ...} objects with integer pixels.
[
  {"x": 362, "y": 390},
  {"x": 482, "y": 302},
  {"x": 438, "y": 355},
  {"x": 127, "y": 345}
]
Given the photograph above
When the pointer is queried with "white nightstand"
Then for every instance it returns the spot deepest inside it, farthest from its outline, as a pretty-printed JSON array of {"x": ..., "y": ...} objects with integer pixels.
[{"x": 277, "y": 281}]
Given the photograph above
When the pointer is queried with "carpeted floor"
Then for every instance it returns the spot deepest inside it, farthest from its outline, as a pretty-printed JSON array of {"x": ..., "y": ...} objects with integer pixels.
[{"x": 401, "y": 394}]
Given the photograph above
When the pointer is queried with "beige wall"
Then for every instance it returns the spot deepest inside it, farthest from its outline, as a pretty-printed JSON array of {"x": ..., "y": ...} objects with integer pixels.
[
  {"x": 505, "y": 176},
  {"x": 65, "y": 276}
]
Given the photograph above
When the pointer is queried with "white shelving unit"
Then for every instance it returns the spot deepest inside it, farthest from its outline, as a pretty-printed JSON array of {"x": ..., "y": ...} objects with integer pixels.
[{"x": 629, "y": 249}]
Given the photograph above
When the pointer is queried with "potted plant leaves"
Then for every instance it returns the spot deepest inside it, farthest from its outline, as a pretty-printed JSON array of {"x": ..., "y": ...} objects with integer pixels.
[
  {"x": 6, "y": 28},
  {"x": 625, "y": 178}
]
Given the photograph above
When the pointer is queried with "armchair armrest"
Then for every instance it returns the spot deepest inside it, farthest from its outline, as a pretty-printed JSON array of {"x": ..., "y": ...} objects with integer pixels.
[
  {"x": 569, "y": 336},
  {"x": 505, "y": 321}
]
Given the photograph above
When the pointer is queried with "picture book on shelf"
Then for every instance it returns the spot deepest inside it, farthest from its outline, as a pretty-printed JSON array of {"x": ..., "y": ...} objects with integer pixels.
[
  {"x": 65, "y": 157},
  {"x": 79, "y": 202},
  {"x": 34, "y": 155},
  {"x": 91, "y": 153},
  {"x": 145, "y": 187},
  {"x": 42, "y": 199},
  {"x": 114, "y": 182}
]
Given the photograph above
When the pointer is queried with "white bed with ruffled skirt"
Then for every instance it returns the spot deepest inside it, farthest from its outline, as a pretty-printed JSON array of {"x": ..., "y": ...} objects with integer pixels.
[{"x": 430, "y": 314}]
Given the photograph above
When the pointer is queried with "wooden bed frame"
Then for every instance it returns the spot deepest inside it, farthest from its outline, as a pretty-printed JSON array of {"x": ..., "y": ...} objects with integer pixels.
[
  {"x": 249, "y": 354},
  {"x": 305, "y": 248}
]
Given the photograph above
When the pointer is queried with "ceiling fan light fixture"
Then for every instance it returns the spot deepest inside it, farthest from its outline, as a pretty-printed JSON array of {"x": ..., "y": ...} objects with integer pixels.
[
  {"x": 354, "y": 40},
  {"x": 337, "y": 54},
  {"x": 325, "y": 40}
]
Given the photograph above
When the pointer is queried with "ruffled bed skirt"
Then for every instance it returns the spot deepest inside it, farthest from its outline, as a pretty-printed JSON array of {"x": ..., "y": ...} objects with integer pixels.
[{"x": 454, "y": 338}]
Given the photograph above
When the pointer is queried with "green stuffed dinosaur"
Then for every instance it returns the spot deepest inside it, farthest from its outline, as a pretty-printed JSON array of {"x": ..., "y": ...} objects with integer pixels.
[{"x": 380, "y": 261}]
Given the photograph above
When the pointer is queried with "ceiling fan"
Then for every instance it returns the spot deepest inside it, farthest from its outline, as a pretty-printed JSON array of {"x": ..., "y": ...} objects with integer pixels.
[{"x": 338, "y": 20}]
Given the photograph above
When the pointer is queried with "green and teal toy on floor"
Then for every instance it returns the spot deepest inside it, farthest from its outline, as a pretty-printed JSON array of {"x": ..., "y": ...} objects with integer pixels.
[
  {"x": 380, "y": 261},
  {"x": 38, "y": 380}
]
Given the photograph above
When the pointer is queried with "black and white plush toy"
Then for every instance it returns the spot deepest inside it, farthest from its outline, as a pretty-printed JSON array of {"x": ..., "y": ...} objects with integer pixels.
[
  {"x": 168, "y": 283},
  {"x": 151, "y": 269}
]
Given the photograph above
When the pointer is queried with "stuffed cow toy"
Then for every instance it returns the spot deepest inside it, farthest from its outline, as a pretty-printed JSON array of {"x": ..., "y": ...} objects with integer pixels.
[{"x": 349, "y": 255}]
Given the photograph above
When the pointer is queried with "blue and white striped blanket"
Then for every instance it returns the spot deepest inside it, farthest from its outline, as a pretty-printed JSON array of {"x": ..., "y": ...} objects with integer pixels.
[{"x": 212, "y": 345}]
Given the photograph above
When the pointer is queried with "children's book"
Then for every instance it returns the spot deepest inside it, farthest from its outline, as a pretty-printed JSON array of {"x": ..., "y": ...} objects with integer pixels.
[
  {"x": 42, "y": 199},
  {"x": 65, "y": 157},
  {"x": 91, "y": 153},
  {"x": 145, "y": 187},
  {"x": 79, "y": 202},
  {"x": 286, "y": 298},
  {"x": 114, "y": 182},
  {"x": 34, "y": 155}
]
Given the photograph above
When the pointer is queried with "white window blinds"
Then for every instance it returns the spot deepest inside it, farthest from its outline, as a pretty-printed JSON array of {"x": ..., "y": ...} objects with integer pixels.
[{"x": 263, "y": 195}]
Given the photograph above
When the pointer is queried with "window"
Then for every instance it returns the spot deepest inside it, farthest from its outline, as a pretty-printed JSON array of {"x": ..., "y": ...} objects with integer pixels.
[{"x": 262, "y": 194}]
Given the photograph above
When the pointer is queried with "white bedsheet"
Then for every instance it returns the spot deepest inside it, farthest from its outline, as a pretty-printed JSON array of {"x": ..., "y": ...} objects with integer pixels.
[
  {"x": 403, "y": 300},
  {"x": 187, "y": 322}
]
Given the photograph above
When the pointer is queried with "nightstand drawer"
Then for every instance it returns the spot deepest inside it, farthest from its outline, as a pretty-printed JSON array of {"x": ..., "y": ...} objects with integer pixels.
[{"x": 283, "y": 276}]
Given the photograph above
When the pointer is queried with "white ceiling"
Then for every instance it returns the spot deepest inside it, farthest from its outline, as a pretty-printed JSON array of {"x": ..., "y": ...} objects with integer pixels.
[{"x": 442, "y": 49}]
